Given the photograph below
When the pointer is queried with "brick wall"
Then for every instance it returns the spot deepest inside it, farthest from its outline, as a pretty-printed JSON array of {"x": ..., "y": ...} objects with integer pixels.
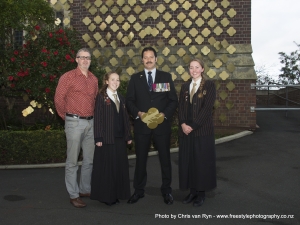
[
  {"x": 243, "y": 97},
  {"x": 241, "y": 22}
]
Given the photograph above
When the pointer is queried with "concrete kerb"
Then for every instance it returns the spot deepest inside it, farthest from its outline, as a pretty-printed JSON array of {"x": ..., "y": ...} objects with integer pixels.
[{"x": 172, "y": 150}]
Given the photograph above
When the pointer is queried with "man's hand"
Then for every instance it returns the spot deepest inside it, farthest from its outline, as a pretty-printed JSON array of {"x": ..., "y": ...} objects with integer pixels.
[{"x": 140, "y": 114}]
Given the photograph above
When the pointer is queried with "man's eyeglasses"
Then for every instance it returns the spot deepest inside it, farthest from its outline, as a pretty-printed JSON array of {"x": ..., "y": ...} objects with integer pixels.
[{"x": 84, "y": 57}]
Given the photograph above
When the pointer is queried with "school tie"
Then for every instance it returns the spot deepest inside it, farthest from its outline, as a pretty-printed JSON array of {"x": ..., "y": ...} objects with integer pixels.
[
  {"x": 150, "y": 81},
  {"x": 117, "y": 102},
  {"x": 192, "y": 92}
]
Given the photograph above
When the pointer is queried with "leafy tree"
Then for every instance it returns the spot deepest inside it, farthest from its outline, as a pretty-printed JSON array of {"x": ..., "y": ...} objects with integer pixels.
[
  {"x": 291, "y": 67},
  {"x": 48, "y": 52},
  {"x": 18, "y": 15},
  {"x": 21, "y": 15},
  {"x": 35, "y": 68}
]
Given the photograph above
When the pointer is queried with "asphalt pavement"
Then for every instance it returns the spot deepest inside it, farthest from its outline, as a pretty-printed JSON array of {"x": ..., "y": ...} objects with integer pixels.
[{"x": 258, "y": 178}]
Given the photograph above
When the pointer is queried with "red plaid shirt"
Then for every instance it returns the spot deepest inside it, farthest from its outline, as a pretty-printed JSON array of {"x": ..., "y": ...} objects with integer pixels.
[{"x": 76, "y": 93}]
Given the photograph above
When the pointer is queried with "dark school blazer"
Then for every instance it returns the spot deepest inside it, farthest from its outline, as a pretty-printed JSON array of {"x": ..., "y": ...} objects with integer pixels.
[
  {"x": 104, "y": 120},
  {"x": 202, "y": 122},
  {"x": 139, "y": 98}
]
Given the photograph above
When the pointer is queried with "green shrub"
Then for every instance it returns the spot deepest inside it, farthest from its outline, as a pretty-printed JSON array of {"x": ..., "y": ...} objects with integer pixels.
[
  {"x": 32, "y": 147},
  {"x": 49, "y": 146},
  {"x": 43, "y": 146}
]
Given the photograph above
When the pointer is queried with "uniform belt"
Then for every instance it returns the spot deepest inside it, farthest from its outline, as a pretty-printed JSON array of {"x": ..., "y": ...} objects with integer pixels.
[{"x": 79, "y": 117}]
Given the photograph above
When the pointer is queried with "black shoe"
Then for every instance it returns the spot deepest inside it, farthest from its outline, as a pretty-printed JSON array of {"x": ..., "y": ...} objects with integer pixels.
[
  {"x": 168, "y": 199},
  {"x": 134, "y": 198},
  {"x": 189, "y": 198},
  {"x": 198, "y": 201},
  {"x": 110, "y": 203}
]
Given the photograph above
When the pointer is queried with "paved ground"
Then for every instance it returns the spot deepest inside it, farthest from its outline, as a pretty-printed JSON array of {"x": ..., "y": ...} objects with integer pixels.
[{"x": 257, "y": 175}]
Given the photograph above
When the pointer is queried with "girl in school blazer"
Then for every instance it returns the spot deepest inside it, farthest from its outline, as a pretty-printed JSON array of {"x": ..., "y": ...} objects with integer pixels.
[{"x": 110, "y": 176}]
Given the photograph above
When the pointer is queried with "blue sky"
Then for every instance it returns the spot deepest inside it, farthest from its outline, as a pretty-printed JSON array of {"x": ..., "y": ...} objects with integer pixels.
[{"x": 275, "y": 28}]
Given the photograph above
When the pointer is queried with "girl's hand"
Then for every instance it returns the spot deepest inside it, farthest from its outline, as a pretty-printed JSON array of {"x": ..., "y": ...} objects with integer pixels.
[{"x": 186, "y": 129}]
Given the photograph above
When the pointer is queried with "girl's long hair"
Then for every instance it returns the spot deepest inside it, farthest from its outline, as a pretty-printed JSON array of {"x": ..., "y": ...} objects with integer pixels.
[{"x": 106, "y": 76}]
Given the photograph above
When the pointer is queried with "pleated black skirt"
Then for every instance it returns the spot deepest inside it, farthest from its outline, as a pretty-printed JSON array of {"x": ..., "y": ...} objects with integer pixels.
[
  {"x": 197, "y": 163},
  {"x": 110, "y": 176}
]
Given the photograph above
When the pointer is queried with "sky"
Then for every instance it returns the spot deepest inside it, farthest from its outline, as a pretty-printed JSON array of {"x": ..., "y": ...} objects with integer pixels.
[{"x": 275, "y": 26}]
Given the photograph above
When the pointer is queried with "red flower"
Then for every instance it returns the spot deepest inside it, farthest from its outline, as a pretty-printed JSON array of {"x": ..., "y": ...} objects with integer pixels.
[
  {"x": 55, "y": 53},
  {"x": 44, "y": 50},
  {"x": 16, "y": 52},
  {"x": 44, "y": 64},
  {"x": 12, "y": 59},
  {"x": 28, "y": 90},
  {"x": 37, "y": 27},
  {"x": 11, "y": 78},
  {"x": 21, "y": 73},
  {"x": 26, "y": 72},
  {"x": 47, "y": 90},
  {"x": 52, "y": 77},
  {"x": 68, "y": 57},
  {"x": 50, "y": 35},
  {"x": 60, "y": 31},
  {"x": 12, "y": 85},
  {"x": 43, "y": 75},
  {"x": 72, "y": 60}
]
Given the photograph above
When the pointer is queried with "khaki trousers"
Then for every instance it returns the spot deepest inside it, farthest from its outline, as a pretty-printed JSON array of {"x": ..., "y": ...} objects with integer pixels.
[{"x": 79, "y": 135}]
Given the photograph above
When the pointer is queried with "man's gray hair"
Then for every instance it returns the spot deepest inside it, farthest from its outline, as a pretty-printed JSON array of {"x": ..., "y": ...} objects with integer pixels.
[{"x": 83, "y": 50}]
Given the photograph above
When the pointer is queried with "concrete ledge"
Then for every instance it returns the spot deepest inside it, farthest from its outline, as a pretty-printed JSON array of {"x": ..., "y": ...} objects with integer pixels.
[
  {"x": 172, "y": 150},
  {"x": 233, "y": 137}
]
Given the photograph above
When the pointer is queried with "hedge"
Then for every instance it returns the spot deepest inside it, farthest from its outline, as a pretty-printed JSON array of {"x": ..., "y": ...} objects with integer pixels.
[
  {"x": 41, "y": 146},
  {"x": 32, "y": 147}
]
